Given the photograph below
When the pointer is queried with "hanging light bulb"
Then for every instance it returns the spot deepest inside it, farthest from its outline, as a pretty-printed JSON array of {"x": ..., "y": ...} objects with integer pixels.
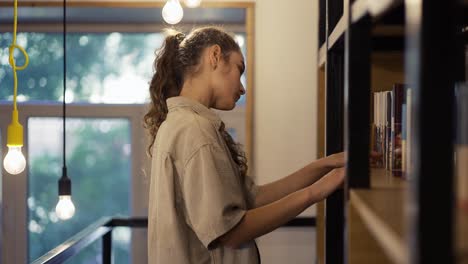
[
  {"x": 14, "y": 162},
  {"x": 65, "y": 208},
  {"x": 172, "y": 12},
  {"x": 192, "y": 3}
]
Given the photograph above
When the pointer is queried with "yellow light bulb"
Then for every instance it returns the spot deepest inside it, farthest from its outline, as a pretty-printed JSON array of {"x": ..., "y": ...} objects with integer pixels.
[
  {"x": 172, "y": 12},
  {"x": 65, "y": 208}
]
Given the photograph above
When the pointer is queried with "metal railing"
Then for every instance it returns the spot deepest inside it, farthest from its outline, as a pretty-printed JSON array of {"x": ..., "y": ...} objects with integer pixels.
[
  {"x": 99, "y": 229},
  {"x": 103, "y": 227}
]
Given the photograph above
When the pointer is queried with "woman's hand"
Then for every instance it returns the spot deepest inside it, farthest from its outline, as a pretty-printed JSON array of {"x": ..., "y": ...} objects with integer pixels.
[
  {"x": 336, "y": 160},
  {"x": 327, "y": 184}
]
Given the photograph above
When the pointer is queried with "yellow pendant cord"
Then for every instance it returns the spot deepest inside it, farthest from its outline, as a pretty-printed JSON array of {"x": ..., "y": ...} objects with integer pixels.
[
  {"x": 12, "y": 59},
  {"x": 15, "y": 130}
]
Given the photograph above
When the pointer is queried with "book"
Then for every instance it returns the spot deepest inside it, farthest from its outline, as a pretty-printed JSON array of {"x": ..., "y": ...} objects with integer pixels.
[
  {"x": 461, "y": 144},
  {"x": 409, "y": 134},
  {"x": 388, "y": 97},
  {"x": 377, "y": 140},
  {"x": 403, "y": 140},
  {"x": 398, "y": 98}
]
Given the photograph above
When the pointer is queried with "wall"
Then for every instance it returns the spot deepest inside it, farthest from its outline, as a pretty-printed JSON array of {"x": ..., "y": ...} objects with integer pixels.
[
  {"x": 284, "y": 134},
  {"x": 285, "y": 87}
]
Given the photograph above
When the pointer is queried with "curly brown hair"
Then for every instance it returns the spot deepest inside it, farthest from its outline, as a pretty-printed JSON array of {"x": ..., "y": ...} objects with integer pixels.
[{"x": 175, "y": 61}]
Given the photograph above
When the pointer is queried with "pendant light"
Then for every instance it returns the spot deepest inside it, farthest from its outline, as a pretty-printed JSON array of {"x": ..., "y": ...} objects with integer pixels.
[
  {"x": 192, "y": 3},
  {"x": 65, "y": 208},
  {"x": 172, "y": 12},
  {"x": 14, "y": 162}
]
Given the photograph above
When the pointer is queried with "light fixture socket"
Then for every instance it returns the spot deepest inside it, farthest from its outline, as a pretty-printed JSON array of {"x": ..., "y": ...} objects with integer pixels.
[
  {"x": 64, "y": 183},
  {"x": 15, "y": 131}
]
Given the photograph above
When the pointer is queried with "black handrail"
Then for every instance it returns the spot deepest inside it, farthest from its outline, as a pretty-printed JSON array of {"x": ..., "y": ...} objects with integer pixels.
[{"x": 101, "y": 228}]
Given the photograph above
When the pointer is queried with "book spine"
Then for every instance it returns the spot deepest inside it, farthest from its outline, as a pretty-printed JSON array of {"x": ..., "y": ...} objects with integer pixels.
[
  {"x": 461, "y": 147},
  {"x": 409, "y": 134},
  {"x": 403, "y": 140},
  {"x": 378, "y": 143},
  {"x": 398, "y": 98},
  {"x": 388, "y": 130},
  {"x": 375, "y": 133}
]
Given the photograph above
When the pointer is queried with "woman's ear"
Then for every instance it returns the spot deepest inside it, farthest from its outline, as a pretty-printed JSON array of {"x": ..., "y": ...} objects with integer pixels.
[{"x": 214, "y": 56}]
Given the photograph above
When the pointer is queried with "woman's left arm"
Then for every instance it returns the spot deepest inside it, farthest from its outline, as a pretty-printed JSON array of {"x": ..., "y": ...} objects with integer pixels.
[{"x": 300, "y": 179}]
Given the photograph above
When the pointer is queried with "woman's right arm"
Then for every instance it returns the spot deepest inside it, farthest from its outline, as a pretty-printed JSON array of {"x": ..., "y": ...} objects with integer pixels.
[
  {"x": 264, "y": 219},
  {"x": 299, "y": 179}
]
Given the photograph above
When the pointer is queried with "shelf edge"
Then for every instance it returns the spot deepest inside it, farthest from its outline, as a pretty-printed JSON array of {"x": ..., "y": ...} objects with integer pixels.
[
  {"x": 377, "y": 8},
  {"x": 388, "y": 239},
  {"x": 322, "y": 55},
  {"x": 358, "y": 10},
  {"x": 338, "y": 31}
]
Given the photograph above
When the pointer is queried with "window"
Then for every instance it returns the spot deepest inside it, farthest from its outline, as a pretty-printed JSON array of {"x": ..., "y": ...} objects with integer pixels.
[
  {"x": 107, "y": 89},
  {"x": 98, "y": 163}
]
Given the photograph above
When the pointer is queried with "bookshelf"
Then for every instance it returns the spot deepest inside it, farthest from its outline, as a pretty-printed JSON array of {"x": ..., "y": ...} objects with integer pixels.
[
  {"x": 366, "y": 47},
  {"x": 381, "y": 210}
]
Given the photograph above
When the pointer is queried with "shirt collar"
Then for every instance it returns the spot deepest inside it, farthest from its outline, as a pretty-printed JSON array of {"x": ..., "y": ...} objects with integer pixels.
[{"x": 199, "y": 108}]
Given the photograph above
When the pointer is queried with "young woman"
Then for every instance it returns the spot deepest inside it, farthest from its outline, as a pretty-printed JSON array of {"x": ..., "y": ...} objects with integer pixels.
[{"x": 203, "y": 207}]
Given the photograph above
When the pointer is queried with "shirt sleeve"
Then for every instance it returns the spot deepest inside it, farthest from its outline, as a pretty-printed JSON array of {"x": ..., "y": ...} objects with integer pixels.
[
  {"x": 251, "y": 190},
  {"x": 212, "y": 193}
]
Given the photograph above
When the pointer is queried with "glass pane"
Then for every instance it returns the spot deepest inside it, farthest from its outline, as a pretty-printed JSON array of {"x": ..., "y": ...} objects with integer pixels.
[
  {"x": 121, "y": 239},
  {"x": 99, "y": 165},
  {"x": 242, "y": 41},
  {"x": 101, "y": 68}
]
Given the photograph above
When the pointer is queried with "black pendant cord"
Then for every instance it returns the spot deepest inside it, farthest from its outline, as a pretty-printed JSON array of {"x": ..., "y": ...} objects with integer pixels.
[
  {"x": 64, "y": 76},
  {"x": 64, "y": 182}
]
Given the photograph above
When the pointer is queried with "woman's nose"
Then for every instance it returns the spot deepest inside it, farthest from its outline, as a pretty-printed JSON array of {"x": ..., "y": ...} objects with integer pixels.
[{"x": 242, "y": 89}]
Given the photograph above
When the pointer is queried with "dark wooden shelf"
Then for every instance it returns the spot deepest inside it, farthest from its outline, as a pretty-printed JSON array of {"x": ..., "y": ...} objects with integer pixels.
[
  {"x": 375, "y": 8},
  {"x": 383, "y": 179},
  {"x": 462, "y": 237},
  {"x": 387, "y": 33},
  {"x": 381, "y": 210},
  {"x": 358, "y": 10},
  {"x": 367, "y": 250},
  {"x": 380, "y": 8}
]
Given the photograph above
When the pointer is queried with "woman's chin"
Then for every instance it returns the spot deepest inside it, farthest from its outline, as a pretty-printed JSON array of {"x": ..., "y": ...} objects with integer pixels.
[{"x": 226, "y": 106}]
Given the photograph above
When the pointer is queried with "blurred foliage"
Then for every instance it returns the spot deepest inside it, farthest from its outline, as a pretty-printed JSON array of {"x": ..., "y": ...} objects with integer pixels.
[
  {"x": 90, "y": 59},
  {"x": 99, "y": 165}
]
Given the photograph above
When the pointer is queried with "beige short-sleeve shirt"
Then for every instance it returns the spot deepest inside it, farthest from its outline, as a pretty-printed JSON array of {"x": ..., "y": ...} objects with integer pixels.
[{"x": 196, "y": 192}]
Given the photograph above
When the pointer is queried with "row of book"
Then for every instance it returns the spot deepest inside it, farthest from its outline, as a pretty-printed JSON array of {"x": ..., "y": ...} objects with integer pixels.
[
  {"x": 391, "y": 129},
  {"x": 392, "y": 134}
]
